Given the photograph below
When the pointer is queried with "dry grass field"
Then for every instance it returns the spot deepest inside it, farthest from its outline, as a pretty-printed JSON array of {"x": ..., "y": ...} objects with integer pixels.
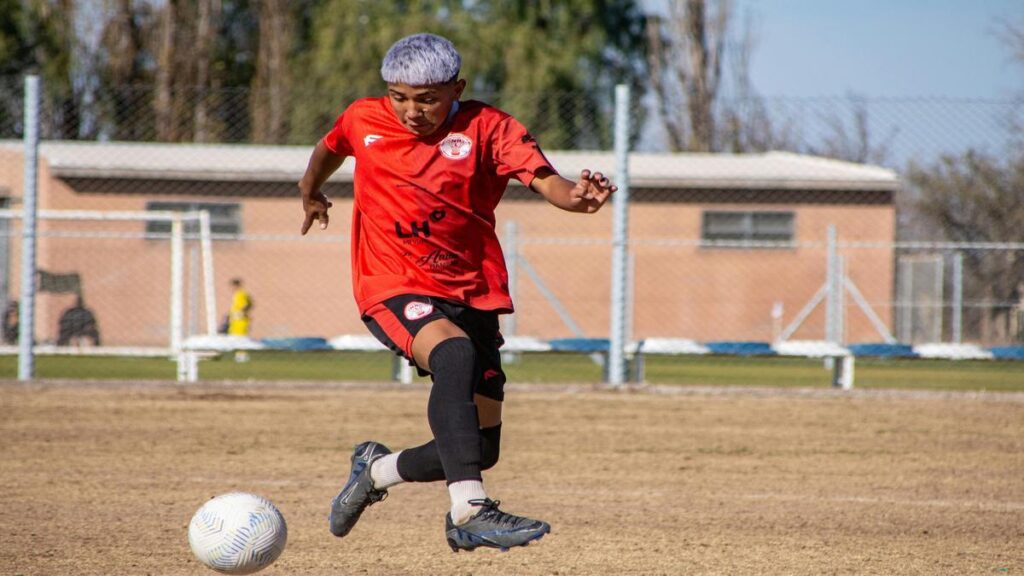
[{"x": 102, "y": 478}]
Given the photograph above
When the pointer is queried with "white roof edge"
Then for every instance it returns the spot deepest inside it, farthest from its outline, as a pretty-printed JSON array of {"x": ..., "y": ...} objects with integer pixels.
[{"x": 244, "y": 162}]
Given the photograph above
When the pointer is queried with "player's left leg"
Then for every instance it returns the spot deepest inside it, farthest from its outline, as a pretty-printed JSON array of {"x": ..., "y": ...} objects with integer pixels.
[
  {"x": 423, "y": 463},
  {"x": 359, "y": 491}
]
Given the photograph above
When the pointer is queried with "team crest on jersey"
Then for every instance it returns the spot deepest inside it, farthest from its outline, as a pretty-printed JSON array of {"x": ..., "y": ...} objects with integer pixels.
[
  {"x": 456, "y": 146},
  {"x": 417, "y": 310}
]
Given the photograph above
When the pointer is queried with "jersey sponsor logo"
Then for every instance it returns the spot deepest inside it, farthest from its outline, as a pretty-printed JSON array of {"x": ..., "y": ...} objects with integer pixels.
[
  {"x": 456, "y": 146},
  {"x": 417, "y": 229},
  {"x": 437, "y": 261},
  {"x": 417, "y": 310},
  {"x": 370, "y": 139}
]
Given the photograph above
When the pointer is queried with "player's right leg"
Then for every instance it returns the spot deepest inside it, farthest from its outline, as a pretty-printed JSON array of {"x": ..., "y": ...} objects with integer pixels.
[
  {"x": 492, "y": 528},
  {"x": 455, "y": 420}
]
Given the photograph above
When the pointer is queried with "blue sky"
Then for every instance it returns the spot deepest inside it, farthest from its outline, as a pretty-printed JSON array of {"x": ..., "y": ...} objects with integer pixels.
[{"x": 883, "y": 48}]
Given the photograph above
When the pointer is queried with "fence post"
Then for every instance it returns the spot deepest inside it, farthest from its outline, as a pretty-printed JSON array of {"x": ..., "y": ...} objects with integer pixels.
[
  {"x": 177, "y": 284},
  {"x": 209, "y": 290},
  {"x": 833, "y": 284},
  {"x": 511, "y": 249},
  {"x": 958, "y": 297},
  {"x": 27, "y": 310},
  {"x": 620, "y": 203},
  {"x": 510, "y": 246}
]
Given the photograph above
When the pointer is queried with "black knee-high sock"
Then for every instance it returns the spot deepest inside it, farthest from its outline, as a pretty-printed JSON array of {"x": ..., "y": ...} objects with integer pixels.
[
  {"x": 423, "y": 463},
  {"x": 451, "y": 411}
]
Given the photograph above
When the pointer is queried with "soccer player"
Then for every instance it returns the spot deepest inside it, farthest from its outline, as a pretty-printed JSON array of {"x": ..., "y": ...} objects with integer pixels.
[{"x": 428, "y": 273}]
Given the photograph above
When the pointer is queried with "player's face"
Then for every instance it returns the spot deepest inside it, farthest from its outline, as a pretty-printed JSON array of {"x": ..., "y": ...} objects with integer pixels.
[{"x": 423, "y": 109}]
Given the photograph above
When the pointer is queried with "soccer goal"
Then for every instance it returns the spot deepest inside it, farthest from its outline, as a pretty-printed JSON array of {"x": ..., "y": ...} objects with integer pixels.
[{"x": 111, "y": 282}]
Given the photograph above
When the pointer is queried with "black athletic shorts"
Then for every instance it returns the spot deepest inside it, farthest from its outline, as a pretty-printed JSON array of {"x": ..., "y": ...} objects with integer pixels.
[{"x": 397, "y": 320}]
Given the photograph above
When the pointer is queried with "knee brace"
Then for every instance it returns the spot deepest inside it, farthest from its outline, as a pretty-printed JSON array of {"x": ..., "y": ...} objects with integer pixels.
[{"x": 491, "y": 448}]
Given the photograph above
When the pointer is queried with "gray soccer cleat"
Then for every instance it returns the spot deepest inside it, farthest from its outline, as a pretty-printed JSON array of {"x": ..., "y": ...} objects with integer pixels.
[
  {"x": 358, "y": 492},
  {"x": 493, "y": 528}
]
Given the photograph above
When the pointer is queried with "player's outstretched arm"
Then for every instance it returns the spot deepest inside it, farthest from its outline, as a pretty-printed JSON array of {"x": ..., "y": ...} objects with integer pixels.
[
  {"x": 586, "y": 195},
  {"x": 322, "y": 163}
]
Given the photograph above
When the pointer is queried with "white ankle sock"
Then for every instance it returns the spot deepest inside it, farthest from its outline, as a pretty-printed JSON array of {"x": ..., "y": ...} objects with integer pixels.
[
  {"x": 461, "y": 493},
  {"x": 384, "y": 471}
]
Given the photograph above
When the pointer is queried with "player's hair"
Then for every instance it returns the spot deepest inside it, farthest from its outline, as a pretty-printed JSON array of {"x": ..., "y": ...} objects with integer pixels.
[{"x": 421, "y": 60}]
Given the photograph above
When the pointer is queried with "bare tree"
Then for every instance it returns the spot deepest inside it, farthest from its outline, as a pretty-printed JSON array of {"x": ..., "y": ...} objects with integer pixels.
[
  {"x": 686, "y": 48},
  {"x": 1012, "y": 35},
  {"x": 976, "y": 198},
  {"x": 121, "y": 42},
  {"x": 176, "y": 71},
  {"x": 270, "y": 93},
  {"x": 163, "y": 103},
  {"x": 747, "y": 124},
  {"x": 207, "y": 82},
  {"x": 853, "y": 141}
]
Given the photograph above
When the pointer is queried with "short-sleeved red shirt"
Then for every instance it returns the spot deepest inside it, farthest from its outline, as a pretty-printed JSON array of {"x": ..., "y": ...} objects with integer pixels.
[{"x": 423, "y": 221}]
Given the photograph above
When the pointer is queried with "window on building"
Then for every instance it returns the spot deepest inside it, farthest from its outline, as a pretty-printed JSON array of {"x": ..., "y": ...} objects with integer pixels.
[
  {"x": 225, "y": 219},
  {"x": 749, "y": 226}
]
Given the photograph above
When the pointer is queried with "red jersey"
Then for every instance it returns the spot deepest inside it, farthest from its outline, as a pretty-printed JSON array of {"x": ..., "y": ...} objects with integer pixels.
[{"x": 423, "y": 220}]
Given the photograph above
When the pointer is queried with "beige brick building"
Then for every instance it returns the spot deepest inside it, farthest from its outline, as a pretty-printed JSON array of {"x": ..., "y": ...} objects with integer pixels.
[{"x": 688, "y": 277}]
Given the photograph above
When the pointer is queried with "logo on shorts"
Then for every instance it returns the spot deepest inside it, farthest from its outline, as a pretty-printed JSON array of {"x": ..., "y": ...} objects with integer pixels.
[
  {"x": 417, "y": 310},
  {"x": 456, "y": 146}
]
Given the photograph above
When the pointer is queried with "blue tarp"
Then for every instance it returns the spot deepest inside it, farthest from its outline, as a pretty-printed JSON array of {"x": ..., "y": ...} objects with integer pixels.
[
  {"x": 1007, "y": 352},
  {"x": 741, "y": 348},
  {"x": 883, "y": 350},
  {"x": 297, "y": 344},
  {"x": 584, "y": 345}
]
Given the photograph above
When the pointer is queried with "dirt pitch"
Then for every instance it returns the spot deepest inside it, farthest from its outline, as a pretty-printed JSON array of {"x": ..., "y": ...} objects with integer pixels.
[{"x": 102, "y": 478}]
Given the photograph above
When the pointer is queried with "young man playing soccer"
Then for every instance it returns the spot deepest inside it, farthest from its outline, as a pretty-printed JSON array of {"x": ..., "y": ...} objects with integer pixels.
[{"x": 428, "y": 273}]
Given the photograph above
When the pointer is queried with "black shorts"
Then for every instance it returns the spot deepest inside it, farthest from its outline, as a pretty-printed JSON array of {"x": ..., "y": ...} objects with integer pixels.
[{"x": 397, "y": 320}]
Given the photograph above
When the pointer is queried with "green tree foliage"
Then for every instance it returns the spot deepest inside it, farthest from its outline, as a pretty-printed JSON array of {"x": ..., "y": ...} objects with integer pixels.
[
  {"x": 189, "y": 63},
  {"x": 15, "y": 45},
  {"x": 38, "y": 37},
  {"x": 525, "y": 56},
  {"x": 123, "y": 73},
  {"x": 347, "y": 40},
  {"x": 553, "y": 64}
]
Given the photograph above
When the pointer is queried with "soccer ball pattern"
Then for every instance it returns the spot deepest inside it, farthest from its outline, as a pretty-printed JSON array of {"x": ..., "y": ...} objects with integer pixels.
[{"x": 237, "y": 533}]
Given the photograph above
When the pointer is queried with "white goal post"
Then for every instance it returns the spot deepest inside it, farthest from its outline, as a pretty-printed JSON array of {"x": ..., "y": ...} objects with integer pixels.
[{"x": 114, "y": 269}]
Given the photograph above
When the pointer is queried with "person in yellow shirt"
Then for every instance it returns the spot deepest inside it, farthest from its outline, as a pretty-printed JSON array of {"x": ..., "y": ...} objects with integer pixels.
[{"x": 239, "y": 316}]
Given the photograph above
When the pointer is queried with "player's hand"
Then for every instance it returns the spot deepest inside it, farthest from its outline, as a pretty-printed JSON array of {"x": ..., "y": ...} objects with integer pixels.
[
  {"x": 591, "y": 191},
  {"x": 315, "y": 206}
]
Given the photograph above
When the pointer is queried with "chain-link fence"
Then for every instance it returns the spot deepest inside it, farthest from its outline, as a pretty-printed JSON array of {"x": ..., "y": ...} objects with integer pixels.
[{"x": 721, "y": 247}]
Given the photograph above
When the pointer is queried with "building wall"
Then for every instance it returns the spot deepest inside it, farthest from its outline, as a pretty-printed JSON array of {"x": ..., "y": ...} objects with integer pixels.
[
  {"x": 681, "y": 289},
  {"x": 301, "y": 285}
]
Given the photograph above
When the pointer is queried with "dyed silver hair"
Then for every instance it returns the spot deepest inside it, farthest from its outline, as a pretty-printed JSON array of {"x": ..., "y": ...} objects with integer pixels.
[{"x": 421, "y": 60}]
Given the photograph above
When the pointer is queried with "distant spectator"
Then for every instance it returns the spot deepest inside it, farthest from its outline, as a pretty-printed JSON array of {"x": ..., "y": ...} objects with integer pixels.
[
  {"x": 239, "y": 320},
  {"x": 11, "y": 323},
  {"x": 78, "y": 324},
  {"x": 239, "y": 316}
]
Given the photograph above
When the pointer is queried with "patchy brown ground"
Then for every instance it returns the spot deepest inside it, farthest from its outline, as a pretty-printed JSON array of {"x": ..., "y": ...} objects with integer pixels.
[{"x": 103, "y": 478}]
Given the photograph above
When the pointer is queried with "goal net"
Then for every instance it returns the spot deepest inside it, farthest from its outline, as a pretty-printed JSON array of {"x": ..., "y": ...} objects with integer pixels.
[{"x": 111, "y": 282}]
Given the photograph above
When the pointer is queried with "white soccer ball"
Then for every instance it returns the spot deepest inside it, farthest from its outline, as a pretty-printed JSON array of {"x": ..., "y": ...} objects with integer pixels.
[{"x": 237, "y": 533}]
